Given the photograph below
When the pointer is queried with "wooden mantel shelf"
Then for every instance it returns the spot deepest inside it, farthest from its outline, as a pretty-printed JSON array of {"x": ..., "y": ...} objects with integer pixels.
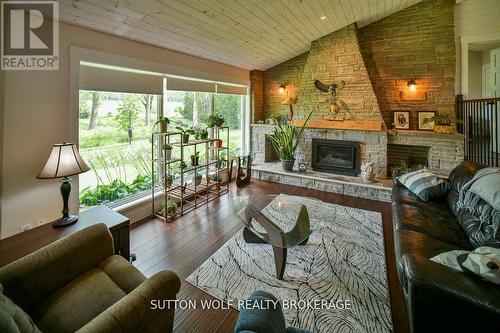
[{"x": 355, "y": 125}]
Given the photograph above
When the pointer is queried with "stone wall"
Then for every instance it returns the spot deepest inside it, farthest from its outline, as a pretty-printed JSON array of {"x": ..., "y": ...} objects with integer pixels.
[
  {"x": 257, "y": 95},
  {"x": 415, "y": 43},
  {"x": 332, "y": 58},
  {"x": 288, "y": 73},
  {"x": 446, "y": 150}
]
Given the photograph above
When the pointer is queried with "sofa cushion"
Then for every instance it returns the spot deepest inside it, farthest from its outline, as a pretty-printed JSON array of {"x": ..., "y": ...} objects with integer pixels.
[
  {"x": 78, "y": 302},
  {"x": 425, "y": 184},
  {"x": 13, "y": 319},
  {"x": 435, "y": 221}
]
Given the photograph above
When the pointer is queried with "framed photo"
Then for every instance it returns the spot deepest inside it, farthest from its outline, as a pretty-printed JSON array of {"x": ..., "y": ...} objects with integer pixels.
[
  {"x": 422, "y": 116},
  {"x": 402, "y": 119}
]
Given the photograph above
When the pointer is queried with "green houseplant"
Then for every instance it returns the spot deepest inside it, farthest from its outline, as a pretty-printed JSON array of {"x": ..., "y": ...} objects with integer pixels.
[
  {"x": 285, "y": 140},
  {"x": 185, "y": 133},
  {"x": 169, "y": 208},
  {"x": 217, "y": 180},
  {"x": 214, "y": 120},
  {"x": 163, "y": 121}
]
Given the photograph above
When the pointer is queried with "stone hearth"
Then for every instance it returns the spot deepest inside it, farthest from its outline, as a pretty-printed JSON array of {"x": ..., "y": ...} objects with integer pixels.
[{"x": 379, "y": 190}]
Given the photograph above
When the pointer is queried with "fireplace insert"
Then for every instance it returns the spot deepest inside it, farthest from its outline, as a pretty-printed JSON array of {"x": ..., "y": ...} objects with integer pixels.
[{"x": 335, "y": 156}]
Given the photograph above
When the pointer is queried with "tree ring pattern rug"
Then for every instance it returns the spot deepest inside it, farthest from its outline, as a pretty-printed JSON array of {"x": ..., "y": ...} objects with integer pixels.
[{"x": 342, "y": 261}]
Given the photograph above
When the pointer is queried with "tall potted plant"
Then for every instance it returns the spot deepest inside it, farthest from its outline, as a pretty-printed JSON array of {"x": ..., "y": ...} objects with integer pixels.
[{"x": 285, "y": 140}]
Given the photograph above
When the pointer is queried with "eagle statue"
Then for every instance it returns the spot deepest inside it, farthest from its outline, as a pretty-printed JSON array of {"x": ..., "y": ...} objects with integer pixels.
[{"x": 329, "y": 88}]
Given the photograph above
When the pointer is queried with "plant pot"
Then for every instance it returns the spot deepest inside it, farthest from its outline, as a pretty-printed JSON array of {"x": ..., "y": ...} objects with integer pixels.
[
  {"x": 197, "y": 179},
  {"x": 183, "y": 165},
  {"x": 217, "y": 186},
  {"x": 163, "y": 127},
  {"x": 447, "y": 129},
  {"x": 218, "y": 143},
  {"x": 168, "y": 154},
  {"x": 287, "y": 165},
  {"x": 195, "y": 160},
  {"x": 167, "y": 181},
  {"x": 210, "y": 131},
  {"x": 185, "y": 138}
]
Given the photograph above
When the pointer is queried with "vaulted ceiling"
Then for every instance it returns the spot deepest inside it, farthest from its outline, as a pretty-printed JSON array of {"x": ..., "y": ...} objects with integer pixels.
[{"x": 251, "y": 34}]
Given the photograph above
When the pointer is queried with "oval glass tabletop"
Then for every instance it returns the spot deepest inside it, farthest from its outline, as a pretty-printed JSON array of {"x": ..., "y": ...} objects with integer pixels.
[{"x": 280, "y": 220}]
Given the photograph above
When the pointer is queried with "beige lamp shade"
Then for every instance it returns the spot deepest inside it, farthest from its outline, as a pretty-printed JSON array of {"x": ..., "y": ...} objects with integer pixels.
[
  {"x": 290, "y": 101},
  {"x": 64, "y": 160}
]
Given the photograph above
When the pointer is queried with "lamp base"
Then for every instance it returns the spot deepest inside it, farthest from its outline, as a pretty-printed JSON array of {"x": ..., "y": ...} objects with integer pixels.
[{"x": 65, "y": 221}]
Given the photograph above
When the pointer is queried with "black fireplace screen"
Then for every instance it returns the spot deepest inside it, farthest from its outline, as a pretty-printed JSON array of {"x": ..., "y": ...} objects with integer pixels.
[{"x": 335, "y": 156}]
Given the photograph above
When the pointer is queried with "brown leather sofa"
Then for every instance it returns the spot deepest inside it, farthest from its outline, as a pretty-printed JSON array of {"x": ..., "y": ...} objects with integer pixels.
[
  {"x": 78, "y": 284},
  {"x": 438, "y": 298}
]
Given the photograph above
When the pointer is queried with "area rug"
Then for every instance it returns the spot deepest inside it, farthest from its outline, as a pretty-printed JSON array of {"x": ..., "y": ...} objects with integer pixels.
[{"x": 342, "y": 261}]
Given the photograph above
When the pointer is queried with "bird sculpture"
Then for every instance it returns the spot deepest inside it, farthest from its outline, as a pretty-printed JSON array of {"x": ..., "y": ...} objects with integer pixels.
[{"x": 335, "y": 103}]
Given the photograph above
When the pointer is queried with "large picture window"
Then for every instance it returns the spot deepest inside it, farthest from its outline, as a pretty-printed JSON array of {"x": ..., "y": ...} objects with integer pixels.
[{"x": 115, "y": 132}]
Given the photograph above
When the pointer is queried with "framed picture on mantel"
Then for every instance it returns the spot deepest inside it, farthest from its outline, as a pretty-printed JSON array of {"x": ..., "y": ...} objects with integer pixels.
[
  {"x": 402, "y": 119},
  {"x": 422, "y": 117}
]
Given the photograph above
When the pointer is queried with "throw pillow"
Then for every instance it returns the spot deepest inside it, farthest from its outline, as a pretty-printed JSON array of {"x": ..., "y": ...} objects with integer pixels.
[
  {"x": 424, "y": 184},
  {"x": 483, "y": 262},
  {"x": 13, "y": 319}
]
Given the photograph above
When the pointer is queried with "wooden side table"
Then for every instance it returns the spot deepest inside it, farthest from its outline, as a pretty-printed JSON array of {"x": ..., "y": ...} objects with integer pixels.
[
  {"x": 22, "y": 244},
  {"x": 242, "y": 177}
]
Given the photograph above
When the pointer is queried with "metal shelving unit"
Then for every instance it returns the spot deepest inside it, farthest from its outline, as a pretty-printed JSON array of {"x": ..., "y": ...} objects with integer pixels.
[{"x": 185, "y": 192}]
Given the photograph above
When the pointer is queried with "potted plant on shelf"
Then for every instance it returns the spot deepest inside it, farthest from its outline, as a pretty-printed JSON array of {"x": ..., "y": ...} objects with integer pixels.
[
  {"x": 203, "y": 134},
  {"x": 285, "y": 140},
  {"x": 163, "y": 121},
  {"x": 167, "y": 180},
  {"x": 218, "y": 180},
  {"x": 185, "y": 133},
  {"x": 214, "y": 120},
  {"x": 443, "y": 123},
  {"x": 221, "y": 161},
  {"x": 169, "y": 208},
  {"x": 218, "y": 143},
  {"x": 195, "y": 158},
  {"x": 168, "y": 151}
]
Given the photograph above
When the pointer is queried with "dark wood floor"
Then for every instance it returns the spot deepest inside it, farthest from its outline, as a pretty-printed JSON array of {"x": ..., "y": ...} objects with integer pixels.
[{"x": 183, "y": 245}]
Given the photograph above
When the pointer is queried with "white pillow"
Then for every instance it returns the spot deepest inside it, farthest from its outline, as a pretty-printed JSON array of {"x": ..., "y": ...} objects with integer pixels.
[{"x": 484, "y": 262}]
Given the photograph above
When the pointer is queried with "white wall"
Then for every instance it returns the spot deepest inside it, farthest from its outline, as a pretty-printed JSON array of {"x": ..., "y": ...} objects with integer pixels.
[
  {"x": 475, "y": 21},
  {"x": 37, "y": 114},
  {"x": 475, "y": 74}
]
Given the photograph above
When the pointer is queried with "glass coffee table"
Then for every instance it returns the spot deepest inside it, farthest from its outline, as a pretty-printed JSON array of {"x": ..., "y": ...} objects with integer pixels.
[{"x": 279, "y": 220}]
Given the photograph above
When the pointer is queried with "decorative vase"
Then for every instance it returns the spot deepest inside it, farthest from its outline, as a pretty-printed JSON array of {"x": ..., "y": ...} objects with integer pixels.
[
  {"x": 185, "y": 138},
  {"x": 367, "y": 173},
  {"x": 218, "y": 143},
  {"x": 163, "y": 127},
  {"x": 168, "y": 154},
  {"x": 195, "y": 160},
  {"x": 210, "y": 131},
  {"x": 447, "y": 129},
  {"x": 287, "y": 165},
  {"x": 197, "y": 180}
]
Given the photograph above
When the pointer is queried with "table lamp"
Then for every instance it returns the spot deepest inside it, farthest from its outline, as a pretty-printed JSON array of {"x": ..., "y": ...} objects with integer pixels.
[{"x": 64, "y": 161}]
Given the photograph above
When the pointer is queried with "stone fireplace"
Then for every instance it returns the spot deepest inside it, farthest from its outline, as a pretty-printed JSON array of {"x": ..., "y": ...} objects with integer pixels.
[{"x": 336, "y": 156}]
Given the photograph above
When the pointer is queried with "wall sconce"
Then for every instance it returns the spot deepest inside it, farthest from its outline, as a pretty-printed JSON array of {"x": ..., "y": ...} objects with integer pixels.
[
  {"x": 282, "y": 88},
  {"x": 412, "y": 85}
]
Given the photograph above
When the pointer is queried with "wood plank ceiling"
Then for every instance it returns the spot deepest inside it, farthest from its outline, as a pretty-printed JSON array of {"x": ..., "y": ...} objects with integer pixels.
[{"x": 250, "y": 34}]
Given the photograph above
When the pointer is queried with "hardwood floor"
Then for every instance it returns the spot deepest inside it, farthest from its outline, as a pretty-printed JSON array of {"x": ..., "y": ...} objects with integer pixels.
[{"x": 183, "y": 245}]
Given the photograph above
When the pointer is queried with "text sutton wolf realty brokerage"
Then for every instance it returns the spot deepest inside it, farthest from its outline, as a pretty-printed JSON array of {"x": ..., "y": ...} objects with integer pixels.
[{"x": 30, "y": 35}]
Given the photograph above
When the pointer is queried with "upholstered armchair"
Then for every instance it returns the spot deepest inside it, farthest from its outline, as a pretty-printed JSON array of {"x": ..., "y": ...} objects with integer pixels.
[{"x": 78, "y": 284}]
